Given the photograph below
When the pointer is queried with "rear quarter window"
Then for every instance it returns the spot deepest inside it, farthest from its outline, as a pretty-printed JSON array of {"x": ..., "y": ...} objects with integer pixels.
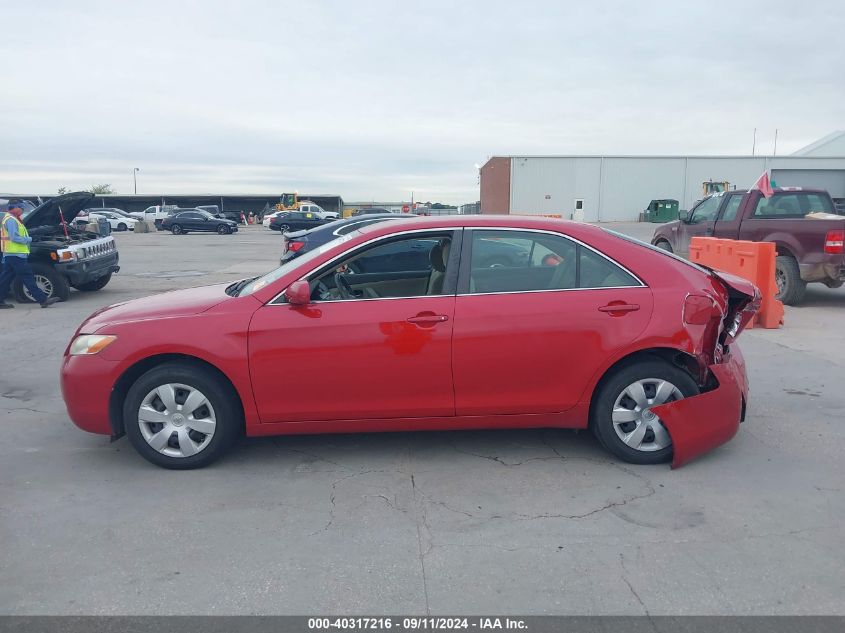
[{"x": 792, "y": 205}]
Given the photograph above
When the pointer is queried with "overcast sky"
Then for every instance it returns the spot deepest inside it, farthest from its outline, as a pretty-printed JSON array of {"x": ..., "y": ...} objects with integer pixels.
[{"x": 376, "y": 99}]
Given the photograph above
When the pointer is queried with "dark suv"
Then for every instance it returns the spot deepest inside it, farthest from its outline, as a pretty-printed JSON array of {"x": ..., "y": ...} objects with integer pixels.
[{"x": 65, "y": 257}]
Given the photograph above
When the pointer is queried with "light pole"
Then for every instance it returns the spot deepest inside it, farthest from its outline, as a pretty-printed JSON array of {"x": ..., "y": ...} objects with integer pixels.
[{"x": 135, "y": 178}]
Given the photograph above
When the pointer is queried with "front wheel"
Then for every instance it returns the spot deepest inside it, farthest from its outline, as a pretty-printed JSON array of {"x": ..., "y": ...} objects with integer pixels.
[
  {"x": 791, "y": 287},
  {"x": 51, "y": 283},
  {"x": 176, "y": 229},
  {"x": 181, "y": 416},
  {"x": 122, "y": 227},
  {"x": 621, "y": 414},
  {"x": 223, "y": 230}
]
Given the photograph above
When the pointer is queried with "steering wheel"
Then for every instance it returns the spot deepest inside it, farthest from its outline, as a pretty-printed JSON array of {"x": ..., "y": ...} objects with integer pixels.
[{"x": 343, "y": 286}]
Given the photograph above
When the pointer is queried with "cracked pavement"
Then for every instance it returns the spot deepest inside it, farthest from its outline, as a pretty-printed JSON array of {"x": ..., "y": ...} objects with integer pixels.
[{"x": 500, "y": 522}]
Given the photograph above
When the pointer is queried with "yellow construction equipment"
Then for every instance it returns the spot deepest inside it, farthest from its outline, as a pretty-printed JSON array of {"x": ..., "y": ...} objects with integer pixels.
[
  {"x": 709, "y": 187},
  {"x": 288, "y": 202}
]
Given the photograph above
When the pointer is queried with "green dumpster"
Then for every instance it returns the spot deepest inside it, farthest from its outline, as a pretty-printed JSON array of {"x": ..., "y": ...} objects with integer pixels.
[{"x": 661, "y": 211}]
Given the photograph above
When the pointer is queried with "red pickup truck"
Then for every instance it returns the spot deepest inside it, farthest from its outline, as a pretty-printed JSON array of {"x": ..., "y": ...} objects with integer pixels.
[{"x": 808, "y": 249}]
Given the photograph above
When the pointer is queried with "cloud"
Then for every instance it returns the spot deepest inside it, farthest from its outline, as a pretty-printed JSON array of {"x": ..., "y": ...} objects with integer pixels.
[{"x": 375, "y": 99}]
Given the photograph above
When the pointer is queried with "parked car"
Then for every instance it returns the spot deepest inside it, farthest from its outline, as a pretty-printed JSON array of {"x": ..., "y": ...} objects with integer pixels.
[
  {"x": 269, "y": 217},
  {"x": 610, "y": 334},
  {"x": 186, "y": 221},
  {"x": 296, "y": 221},
  {"x": 370, "y": 211},
  {"x": 116, "y": 222},
  {"x": 298, "y": 243},
  {"x": 808, "y": 249},
  {"x": 155, "y": 214},
  {"x": 63, "y": 260}
]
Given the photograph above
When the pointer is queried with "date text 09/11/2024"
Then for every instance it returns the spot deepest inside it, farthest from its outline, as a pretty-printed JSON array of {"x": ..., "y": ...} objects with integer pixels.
[{"x": 416, "y": 623}]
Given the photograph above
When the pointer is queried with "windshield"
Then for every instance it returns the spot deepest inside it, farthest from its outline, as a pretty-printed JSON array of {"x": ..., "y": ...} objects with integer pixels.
[{"x": 260, "y": 282}]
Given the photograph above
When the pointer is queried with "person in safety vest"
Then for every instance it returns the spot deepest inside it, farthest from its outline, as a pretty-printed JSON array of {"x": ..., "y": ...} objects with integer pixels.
[{"x": 14, "y": 243}]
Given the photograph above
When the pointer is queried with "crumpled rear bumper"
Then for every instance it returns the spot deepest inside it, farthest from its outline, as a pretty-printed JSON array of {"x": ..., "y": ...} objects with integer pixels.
[{"x": 701, "y": 423}]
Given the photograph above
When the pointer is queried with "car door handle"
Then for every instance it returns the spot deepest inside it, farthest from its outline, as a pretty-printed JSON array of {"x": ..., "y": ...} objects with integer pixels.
[
  {"x": 619, "y": 307},
  {"x": 428, "y": 319}
]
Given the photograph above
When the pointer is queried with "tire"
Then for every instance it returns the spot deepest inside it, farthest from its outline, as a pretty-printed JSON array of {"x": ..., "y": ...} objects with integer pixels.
[
  {"x": 219, "y": 413},
  {"x": 284, "y": 227},
  {"x": 122, "y": 227},
  {"x": 176, "y": 229},
  {"x": 97, "y": 284},
  {"x": 664, "y": 245},
  {"x": 48, "y": 280},
  {"x": 654, "y": 443},
  {"x": 791, "y": 287},
  {"x": 223, "y": 230}
]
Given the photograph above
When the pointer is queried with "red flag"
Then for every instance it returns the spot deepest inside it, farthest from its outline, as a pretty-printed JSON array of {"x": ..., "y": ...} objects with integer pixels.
[{"x": 764, "y": 185}]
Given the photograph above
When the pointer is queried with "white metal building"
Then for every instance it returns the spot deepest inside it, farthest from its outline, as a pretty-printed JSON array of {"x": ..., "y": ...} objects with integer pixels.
[{"x": 606, "y": 188}]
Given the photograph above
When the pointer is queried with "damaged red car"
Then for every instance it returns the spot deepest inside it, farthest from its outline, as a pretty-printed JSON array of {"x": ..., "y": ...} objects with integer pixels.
[{"x": 410, "y": 325}]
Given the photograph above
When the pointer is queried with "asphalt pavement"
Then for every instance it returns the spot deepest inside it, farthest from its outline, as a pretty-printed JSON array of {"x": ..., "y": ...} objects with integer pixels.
[{"x": 500, "y": 522}]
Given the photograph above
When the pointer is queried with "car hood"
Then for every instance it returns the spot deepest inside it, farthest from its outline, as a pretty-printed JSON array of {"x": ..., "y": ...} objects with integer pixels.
[
  {"x": 161, "y": 306},
  {"x": 47, "y": 214}
]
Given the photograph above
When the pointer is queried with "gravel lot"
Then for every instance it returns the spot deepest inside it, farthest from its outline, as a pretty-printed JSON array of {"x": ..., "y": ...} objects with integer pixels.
[{"x": 528, "y": 522}]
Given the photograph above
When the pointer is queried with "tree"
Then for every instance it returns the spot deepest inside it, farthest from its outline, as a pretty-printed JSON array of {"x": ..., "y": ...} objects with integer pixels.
[
  {"x": 63, "y": 190},
  {"x": 101, "y": 189}
]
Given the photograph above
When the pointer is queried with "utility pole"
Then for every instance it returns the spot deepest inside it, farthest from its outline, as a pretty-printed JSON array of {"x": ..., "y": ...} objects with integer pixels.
[
  {"x": 754, "y": 142},
  {"x": 135, "y": 179},
  {"x": 775, "y": 152}
]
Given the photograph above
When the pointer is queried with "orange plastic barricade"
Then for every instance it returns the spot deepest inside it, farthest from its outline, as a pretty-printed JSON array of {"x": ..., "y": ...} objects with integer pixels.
[{"x": 754, "y": 261}]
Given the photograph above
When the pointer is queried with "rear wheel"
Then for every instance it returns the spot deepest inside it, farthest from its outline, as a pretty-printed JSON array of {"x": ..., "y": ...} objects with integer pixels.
[
  {"x": 51, "y": 283},
  {"x": 176, "y": 229},
  {"x": 284, "y": 227},
  {"x": 181, "y": 416},
  {"x": 621, "y": 416},
  {"x": 791, "y": 287},
  {"x": 664, "y": 245},
  {"x": 122, "y": 227},
  {"x": 97, "y": 284}
]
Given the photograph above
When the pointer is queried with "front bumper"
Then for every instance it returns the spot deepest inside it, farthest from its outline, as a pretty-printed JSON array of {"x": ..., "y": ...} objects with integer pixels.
[
  {"x": 86, "y": 383},
  {"x": 86, "y": 271},
  {"x": 701, "y": 423}
]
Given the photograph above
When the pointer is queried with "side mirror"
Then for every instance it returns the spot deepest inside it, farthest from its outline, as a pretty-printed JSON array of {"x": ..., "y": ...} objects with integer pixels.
[
  {"x": 298, "y": 293},
  {"x": 683, "y": 215}
]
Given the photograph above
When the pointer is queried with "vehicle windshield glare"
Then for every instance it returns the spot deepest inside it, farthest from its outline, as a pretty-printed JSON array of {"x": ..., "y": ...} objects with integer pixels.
[{"x": 274, "y": 275}]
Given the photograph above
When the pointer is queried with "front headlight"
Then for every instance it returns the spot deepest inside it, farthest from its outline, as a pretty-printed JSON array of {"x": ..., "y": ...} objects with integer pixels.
[
  {"x": 90, "y": 344},
  {"x": 65, "y": 255}
]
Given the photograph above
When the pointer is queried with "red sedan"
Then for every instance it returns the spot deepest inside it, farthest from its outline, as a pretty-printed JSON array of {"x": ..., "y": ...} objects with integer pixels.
[{"x": 410, "y": 329}]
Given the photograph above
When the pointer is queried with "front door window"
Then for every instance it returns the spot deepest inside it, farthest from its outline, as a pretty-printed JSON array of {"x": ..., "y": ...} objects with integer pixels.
[{"x": 409, "y": 266}]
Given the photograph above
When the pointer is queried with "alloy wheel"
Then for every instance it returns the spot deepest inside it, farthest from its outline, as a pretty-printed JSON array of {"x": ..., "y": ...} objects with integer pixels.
[
  {"x": 177, "y": 420},
  {"x": 42, "y": 282},
  {"x": 634, "y": 422}
]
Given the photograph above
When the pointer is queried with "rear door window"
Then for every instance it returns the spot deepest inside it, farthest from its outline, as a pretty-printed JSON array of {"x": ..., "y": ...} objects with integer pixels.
[
  {"x": 792, "y": 205},
  {"x": 524, "y": 261}
]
